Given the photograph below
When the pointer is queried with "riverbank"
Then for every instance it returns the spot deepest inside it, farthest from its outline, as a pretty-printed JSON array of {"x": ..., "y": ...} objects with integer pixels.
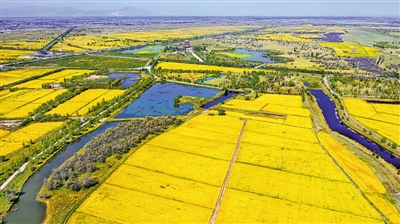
[
  {"x": 19, "y": 181},
  {"x": 63, "y": 202},
  {"x": 386, "y": 173}
]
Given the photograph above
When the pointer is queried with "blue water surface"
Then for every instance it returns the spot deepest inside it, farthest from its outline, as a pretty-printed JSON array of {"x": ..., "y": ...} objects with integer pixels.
[
  {"x": 330, "y": 113},
  {"x": 128, "y": 81},
  {"x": 158, "y": 100},
  {"x": 257, "y": 56},
  {"x": 227, "y": 95}
]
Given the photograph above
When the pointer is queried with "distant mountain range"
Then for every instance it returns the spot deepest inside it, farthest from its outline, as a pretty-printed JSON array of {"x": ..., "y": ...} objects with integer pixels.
[{"x": 42, "y": 11}]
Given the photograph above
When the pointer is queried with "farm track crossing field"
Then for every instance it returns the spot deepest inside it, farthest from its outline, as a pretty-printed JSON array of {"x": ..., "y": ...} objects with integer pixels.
[
  {"x": 8, "y": 77},
  {"x": 111, "y": 203},
  {"x": 246, "y": 207},
  {"x": 24, "y": 135},
  {"x": 53, "y": 78},
  {"x": 277, "y": 168},
  {"x": 18, "y": 104},
  {"x": 80, "y": 104},
  {"x": 383, "y": 118}
]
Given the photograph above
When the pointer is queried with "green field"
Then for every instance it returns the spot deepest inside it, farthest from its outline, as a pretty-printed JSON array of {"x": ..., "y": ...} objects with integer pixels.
[
  {"x": 367, "y": 38},
  {"x": 87, "y": 61}
]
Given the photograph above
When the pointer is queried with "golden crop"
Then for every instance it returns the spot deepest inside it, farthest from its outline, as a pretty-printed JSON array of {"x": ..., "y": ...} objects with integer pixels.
[
  {"x": 383, "y": 118},
  {"x": 351, "y": 49},
  {"x": 183, "y": 66},
  {"x": 281, "y": 175},
  {"x": 356, "y": 168},
  {"x": 80, "y": 104},
  {"x": 8, "y": 77},
  {"x": 299, "y": 121},
  {"x": 245, "y": 207},
  {"x": 53, "y": 78},
  {"x": 23, "y": 136}
]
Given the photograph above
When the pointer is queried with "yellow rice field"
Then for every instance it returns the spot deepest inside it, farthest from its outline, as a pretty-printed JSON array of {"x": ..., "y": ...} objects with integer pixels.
[
  {"x": 274, "y": 103},
  {"x": 12, "y": 55},
  {"x": 391, "y": 131},
  {"x": 24, "y": 135},
  {"x": 188, "y": 166},
  {"x": 183, "y": 66},
  {"x": 299, "y": 121},
  {"x": 315, "y": 163},
  {"x": 283, "y": 131},
  {"x": 350, "y": 49},
  {"x": 244, "y": 207},
  {"x": 383, "y": 118},
  {"x": 4, "y": 133},
  {"x": 53, "y": 78},
  {"x": 279, "y": 99},
  {"x": 121, "y": 205},
  {"x": 287, "y": 110},
  {"x": 66, "y": 48},
  {"x": 18, "y": 104},
  {"x": 8, "y": 77},
  {"x": 361, "y": 174},
  {"x": 173, "y": 188},
  {"x": 244, "y": 105},
  {"x": 177, "y": 177},
  {"x": 80, "y": 104},
  {"x": 384, "y": 206},
  {"x": 387, "y": 108},
  {"x": 340, "y": 196},
  {"x": 106, "y": 96},
  {"x": 359, "y": 107},
  {"x": 24, "y": 45}
]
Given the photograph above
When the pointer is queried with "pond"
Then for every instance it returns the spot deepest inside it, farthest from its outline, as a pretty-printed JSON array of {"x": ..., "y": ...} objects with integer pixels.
[
  {"x": 329, "y": 111},
  {"x": 257, "y": 56},
  {"x": 145, "y": 50},
  {"x": 227, "y": 95},
  {"x": 158, "y": 100},
  {"x": 32, "y": 211},
  {"x": 128, "y": 79}
]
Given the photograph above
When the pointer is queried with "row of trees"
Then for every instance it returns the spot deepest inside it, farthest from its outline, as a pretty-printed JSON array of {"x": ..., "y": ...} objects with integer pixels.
[{"x": 114, "y": 141}]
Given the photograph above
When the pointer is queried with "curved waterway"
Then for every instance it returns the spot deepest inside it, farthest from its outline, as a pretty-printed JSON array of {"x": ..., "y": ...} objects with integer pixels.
[
  {"x": 331, "y": 116},
  {"x": 227, "y": 95},
  {"x": 32, "y": 211}
]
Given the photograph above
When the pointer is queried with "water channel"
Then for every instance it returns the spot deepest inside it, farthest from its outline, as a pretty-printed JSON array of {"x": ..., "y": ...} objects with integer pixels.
[
  {"x": 257, "y": 56},
  {"x": 28, "y": 209},
  {"x": 331, "y": 116},
  {"x": 156, "y": 101}
]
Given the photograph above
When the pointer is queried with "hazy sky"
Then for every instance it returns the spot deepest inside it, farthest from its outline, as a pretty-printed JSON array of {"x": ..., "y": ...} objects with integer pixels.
[{"x": 233, "y": 7}]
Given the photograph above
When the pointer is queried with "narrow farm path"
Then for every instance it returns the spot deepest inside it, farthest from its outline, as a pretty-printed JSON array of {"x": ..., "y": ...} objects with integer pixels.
[{"x": 228, "y": 173}]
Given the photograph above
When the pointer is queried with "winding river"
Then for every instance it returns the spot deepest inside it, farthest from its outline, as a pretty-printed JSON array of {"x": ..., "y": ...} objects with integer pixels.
[
  {"x": 32, "y": 211},
  {"x": 330, "y": 113}
]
